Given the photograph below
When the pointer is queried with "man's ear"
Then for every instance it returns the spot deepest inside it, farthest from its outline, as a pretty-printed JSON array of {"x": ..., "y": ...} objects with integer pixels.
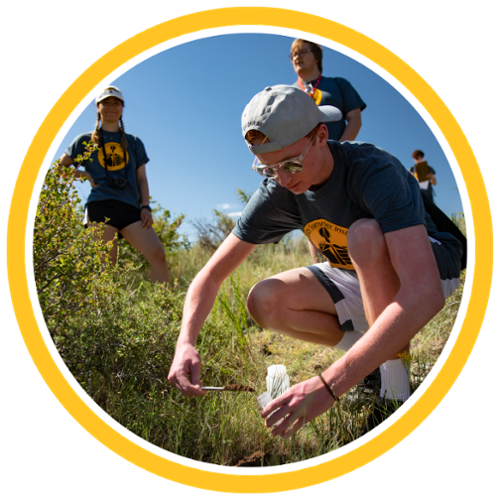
[{"x": 322, "y": 135}]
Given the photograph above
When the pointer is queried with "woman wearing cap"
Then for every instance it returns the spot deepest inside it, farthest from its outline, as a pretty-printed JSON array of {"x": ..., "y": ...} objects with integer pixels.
[{"x": 120, "y": 191}]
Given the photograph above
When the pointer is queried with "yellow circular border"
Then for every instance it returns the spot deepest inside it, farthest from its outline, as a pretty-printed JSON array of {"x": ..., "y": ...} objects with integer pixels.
[{"x": 18, "y": 279}]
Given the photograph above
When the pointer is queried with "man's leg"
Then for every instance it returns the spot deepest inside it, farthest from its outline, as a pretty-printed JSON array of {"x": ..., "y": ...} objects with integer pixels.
[
  {"x": 379, "y": 285},
  {"x": 295, "y": 303},
  {"x": 301, "y": 304}
]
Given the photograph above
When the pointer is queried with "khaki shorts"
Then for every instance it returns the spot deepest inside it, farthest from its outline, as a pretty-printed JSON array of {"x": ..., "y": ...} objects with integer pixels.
[{"x": 343, "y": 287}]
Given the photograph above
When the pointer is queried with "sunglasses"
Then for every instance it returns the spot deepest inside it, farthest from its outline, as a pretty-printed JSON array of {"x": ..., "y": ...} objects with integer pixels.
[{"x": 292, "y": 166}]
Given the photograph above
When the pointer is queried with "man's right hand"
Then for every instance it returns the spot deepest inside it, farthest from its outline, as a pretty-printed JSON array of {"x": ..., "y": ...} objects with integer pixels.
[{"x": 185, "y": 371}]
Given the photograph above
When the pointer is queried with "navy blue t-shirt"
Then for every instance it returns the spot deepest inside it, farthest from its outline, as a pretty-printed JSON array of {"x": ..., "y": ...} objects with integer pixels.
[
  {"x": 366, "y": 182},
  {"x": 340, "y": 93},
  {"x": 118, "y": 165}
]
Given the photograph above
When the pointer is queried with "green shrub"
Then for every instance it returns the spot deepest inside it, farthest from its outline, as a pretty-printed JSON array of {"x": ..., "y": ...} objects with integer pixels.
[{"x": 70, "y": 263}]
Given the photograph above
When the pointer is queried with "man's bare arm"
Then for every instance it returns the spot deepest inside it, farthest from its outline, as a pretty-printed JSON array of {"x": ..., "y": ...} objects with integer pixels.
[
  {"x": 185, "y": 370},
  {"x": 417, "y": 300}
]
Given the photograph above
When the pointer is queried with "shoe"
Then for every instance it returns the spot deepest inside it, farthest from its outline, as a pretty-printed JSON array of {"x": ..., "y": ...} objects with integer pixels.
[
  {"x": 382, "y": 409},
  {"x": 366, "y": 390},
  {"x": 371, "y": 383}
]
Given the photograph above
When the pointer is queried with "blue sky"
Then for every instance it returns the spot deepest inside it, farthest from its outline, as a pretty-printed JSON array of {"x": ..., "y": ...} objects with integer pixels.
[{"x": 185, "y": 104}]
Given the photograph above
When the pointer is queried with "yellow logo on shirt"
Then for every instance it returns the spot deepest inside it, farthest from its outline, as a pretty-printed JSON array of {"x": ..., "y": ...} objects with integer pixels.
[
  {"x": 114, "y": 156},
  {"x": 317, "y": 96},
  {"x": 331, "y": 241}
]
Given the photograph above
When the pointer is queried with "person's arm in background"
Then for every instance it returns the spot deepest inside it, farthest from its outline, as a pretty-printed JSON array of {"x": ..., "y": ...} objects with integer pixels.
[
  {"x": 315, "y": 253},
  {"x": 142, "y": 184},
  {"x": 432, "y": 178},
  {"x": 353, "y": 126},
  {"x": 66, "y": 161}
]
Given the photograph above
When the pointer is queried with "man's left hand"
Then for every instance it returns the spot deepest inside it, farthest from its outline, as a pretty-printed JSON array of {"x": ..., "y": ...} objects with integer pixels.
[{"x": 297, "y": 406}]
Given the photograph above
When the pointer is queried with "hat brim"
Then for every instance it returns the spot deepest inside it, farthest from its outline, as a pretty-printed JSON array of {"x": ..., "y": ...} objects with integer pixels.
[
  {"x": 330, "y": 114},
  {"x": 97, "y": 101}
]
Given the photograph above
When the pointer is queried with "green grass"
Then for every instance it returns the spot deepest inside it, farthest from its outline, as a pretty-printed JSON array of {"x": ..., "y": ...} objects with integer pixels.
[
  {"x": 121, "y": 355},
  {"x": 117, "y": 335}
]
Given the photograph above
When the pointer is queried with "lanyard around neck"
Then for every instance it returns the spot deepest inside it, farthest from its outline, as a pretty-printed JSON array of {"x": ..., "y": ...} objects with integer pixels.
[{"x": 301, "y": 85}]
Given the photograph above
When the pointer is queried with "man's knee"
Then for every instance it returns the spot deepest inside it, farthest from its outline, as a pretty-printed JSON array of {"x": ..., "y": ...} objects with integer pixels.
[{"x": 265, "y": 302}]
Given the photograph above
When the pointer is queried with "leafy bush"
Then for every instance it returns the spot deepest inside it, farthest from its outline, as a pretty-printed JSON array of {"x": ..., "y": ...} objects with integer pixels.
[
  {"x": 85, "y": 300},
  {"x": 70, "y": 263}
]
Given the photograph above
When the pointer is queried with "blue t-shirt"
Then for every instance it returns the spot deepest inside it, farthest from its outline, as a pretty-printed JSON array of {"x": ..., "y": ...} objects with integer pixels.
[
  {"x": 119, "y": 165},
  {"x": 366, "y": 182},
  {"x": 340, "y": 93}
]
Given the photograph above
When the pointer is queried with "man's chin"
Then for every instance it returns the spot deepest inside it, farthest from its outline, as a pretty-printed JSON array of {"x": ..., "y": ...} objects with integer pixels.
[{"x": 300, "y": 189}]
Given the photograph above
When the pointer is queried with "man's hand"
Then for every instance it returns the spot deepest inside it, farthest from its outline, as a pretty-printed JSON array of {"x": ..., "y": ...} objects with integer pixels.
[
  {"x": 185, "y": 371},
  {"x": 297, "y": 406}
]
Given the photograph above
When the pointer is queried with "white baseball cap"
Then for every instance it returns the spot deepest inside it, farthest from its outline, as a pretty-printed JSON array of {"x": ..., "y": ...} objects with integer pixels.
[
  {"x": 110, "y": 91},
  {"x": 284, "y": 114}
]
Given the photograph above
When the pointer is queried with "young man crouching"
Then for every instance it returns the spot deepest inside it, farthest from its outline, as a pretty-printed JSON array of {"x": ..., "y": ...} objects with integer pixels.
[{"x": 388, "y": 272}]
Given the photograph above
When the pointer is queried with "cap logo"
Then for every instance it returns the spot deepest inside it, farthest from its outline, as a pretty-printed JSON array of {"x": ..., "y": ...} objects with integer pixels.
[{"x": 252, "y": 123}]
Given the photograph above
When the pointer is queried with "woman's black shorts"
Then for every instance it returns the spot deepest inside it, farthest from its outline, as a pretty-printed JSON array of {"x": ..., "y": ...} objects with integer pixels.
[{"x": 113, "y": 213}]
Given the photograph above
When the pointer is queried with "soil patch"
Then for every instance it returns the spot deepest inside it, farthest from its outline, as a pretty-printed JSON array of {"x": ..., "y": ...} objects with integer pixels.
[
  {"x": 238, "y": 387},
  {"x": 254, "y": 460}
]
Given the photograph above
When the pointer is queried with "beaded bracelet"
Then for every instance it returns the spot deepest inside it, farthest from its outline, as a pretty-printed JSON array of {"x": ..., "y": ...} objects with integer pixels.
[{"x": 328, "y": 387}]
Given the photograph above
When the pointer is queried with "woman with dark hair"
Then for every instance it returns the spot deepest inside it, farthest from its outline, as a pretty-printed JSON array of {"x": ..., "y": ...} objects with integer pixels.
[{"x": 117, "y": 174}]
